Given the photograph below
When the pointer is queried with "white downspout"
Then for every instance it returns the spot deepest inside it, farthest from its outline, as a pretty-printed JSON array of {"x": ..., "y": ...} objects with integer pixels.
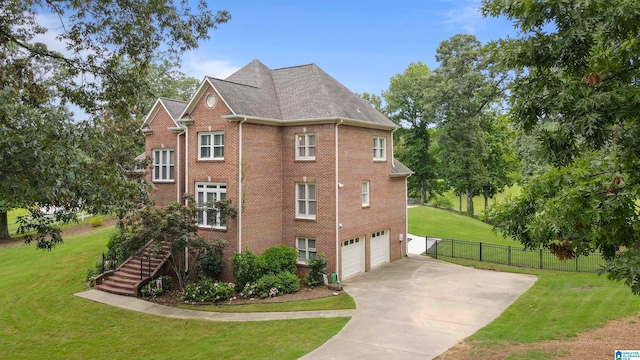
[
  {"x": 240, "y": 185},
  {"x": 337, "y": 186},
  {"x": 178, "y": 167},
  {"x": 186, "y": 163}
]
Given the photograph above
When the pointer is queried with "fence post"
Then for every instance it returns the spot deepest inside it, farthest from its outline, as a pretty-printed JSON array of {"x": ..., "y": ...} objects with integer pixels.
[
  {"x": 480, "y": 251},
  {"x": 102, "y": 269},
  {"x": 540, "y": 258},
  {"x": 509, "y": 255},
  {"x": 577, "y": 256},
  {"x": 452, "y": 242},
  {"x": 435, "y": 243}
]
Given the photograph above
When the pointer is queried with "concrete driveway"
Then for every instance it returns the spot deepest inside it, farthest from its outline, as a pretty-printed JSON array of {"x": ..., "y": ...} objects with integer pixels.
[{"x": 418, "y": 307}]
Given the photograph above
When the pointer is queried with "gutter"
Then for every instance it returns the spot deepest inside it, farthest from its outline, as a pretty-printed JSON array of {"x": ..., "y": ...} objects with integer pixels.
[
  {"x": 309, "y": 121},
  {"x": 178, "y": 131}
]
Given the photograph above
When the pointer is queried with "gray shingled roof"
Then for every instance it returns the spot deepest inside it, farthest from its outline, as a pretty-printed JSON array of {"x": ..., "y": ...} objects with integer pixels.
[
  {"x": 293, "y": 93},
  {"x": 174, "y": 107},
  {"x": 400, "y": 169}
]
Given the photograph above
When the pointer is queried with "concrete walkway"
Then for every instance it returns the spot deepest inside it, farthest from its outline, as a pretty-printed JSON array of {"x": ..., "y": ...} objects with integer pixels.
[
  {"x": 414, "y": 308},
  {"x": 419, "y": 307},
  {"x": 131, "y": 303}
]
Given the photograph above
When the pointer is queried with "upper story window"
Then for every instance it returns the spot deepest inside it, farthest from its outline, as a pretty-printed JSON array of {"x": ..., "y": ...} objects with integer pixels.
[
  {"x": 306, "y": 201},
  {"x": 305, "y": 146},
  {"x": 211, "y": 146},
  {"x": 163, "y": 165},
  {"x": 206, "y": 195},
  {"x": 365, "y": 193},
  {"x": 379, "y": 148}
]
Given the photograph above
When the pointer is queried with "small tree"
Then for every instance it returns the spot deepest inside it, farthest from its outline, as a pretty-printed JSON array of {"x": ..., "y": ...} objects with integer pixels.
[{"x": 174, "y": 225}]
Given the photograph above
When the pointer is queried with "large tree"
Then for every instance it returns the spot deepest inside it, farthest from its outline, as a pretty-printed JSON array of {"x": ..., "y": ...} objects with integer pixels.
[
  {"x": 410, "y": 104},
  {"x": 48, "y": 158},
  {"x": 468, "y": 84},
  {"x": 580, "y": 93}
]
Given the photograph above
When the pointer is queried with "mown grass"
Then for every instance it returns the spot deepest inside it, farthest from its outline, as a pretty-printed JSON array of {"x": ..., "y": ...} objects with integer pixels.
[
  {"x": 478, "y": 201},
  {"x": 12, "y": 218},
  {"x": 559, "y": 305},
  {"x": 40, "y": 317},
  {"x": 340, "y": 302},
  {"x": 432, "y": 222}
]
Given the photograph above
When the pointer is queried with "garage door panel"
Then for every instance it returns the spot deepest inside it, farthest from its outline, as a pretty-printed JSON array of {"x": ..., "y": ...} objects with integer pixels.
[
  {"x": 352, "y": 257},
  {"x": 379, "y": 247}
]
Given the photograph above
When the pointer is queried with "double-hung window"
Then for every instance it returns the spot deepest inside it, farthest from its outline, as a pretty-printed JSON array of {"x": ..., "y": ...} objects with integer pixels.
[
  {"x": 306, "y": 249},
  {"x": 211, "y": 145},
  {"x": 305, "y": 146},
  {"x": 206, "y": 195},
  {"x": 379, "y": 148},
  {"x": 306, "y": 201},
  {"x": 163, "y": 165},
  {"x": 365, "y": 193}
]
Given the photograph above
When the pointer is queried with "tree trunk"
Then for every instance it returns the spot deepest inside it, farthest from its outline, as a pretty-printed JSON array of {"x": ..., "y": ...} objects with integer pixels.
[
  {"x": 423, "y": 192},
  {"x": 4, "y": 225},
  {"x": 486, "y": 202},
  {"x": 460, "y": 202},
  {"x": 469, "y": 200}
]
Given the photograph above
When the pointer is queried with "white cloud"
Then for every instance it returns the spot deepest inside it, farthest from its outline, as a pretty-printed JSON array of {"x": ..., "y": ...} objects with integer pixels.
[
  {"x": 466, "y": 16},
  {"x": 193, "y": 65}
]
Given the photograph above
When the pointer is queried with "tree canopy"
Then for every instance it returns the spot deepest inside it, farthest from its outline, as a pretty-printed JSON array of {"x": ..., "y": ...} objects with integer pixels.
[
  {"x": 47, "y": 157},
  {"x": 580, "y": 95}
]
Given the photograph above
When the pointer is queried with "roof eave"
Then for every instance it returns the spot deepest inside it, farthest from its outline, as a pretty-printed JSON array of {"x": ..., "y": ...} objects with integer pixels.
[{"x": 309, "y": 121}]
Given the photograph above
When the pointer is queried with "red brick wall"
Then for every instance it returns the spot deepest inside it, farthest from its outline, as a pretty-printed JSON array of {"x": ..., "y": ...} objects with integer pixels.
[
  {"x": 161, "y": 137},
  {"x": 322, "y": 172},
  {"x": 387, "y": 208},
  {"x": 261, "y": 187},
  {"x": 207, "y": 119}
]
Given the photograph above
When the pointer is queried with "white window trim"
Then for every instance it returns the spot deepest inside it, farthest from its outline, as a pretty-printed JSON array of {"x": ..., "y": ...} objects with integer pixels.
[
  {"x": 307, "y": 250},
  {"x": 306, "y": 146},
  {"x": 212, "y": 147},
  {"x": 220, "y": 191},
  {"x": 168, "y": 166},
  {"x": 366, "y": 193},
  {"x": 379, "y": 148},
  {"x": 307, "y": 201}
]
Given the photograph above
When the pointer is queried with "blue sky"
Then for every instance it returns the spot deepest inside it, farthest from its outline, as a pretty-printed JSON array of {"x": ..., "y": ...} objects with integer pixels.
[{"x": 360, "y": 43}]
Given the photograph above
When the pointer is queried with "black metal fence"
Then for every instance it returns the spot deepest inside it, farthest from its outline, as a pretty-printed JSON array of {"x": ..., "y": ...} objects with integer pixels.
[{"x": 511, "y": 255}]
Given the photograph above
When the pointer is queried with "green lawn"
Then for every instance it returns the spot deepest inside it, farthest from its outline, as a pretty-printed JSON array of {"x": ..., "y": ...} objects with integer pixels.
[
  {"x": 557, "y": 306},
  {"x": 432, "y": 222},
  {"x": 40, "y": 317},
  {"x": 478, "y": 201}
]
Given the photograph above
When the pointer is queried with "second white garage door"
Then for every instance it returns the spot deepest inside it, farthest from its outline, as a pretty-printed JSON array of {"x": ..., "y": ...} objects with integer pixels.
[
  {"x": 352, "y": 257},
  {"x": 379, "y": 247}
]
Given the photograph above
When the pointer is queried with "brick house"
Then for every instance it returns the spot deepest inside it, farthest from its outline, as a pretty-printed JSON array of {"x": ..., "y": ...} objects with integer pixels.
[{"x": 307, "y": 163}]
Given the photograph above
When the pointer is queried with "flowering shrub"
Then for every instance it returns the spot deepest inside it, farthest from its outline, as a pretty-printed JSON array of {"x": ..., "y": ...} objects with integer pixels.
[
  {"x": 207, "y": 291},
  {"x": 151, "y": 290}
]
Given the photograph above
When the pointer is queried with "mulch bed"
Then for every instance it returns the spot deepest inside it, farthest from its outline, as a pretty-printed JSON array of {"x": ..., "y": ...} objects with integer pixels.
[{"x": 305, "y": 293}]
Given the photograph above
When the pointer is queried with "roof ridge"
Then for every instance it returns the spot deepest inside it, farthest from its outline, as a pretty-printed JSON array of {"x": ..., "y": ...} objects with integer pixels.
[
  {"x": 232, "y": 82},
  {"x": 170, "y": 99},
  {"x": 295, "y": 66}
]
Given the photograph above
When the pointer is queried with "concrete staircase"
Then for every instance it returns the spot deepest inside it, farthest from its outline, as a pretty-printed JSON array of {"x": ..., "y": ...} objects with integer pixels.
[{"x": 129, "y": 277}]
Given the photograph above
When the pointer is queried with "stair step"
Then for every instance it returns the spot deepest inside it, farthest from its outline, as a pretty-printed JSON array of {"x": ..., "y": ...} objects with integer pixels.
[{"x": 114, "y": 290}]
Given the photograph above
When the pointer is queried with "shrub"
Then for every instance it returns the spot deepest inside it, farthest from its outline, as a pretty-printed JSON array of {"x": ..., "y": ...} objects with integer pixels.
[
  {"x": 318, "y": 268},
  {"x": 443, "y": 202},
  {"x": 91, "y": 276},
  {"x": 247, "y": 268},
  {"x": 267, "y": 286},
  {"x": 212, "y": 261},
  {"x": 207, "y": 290},
  {"x": 150, "y": 290},
  {"x": 288, "y": 282},
  {"x": 95, "y": 221},
  {"x": 279, "y": 258}
]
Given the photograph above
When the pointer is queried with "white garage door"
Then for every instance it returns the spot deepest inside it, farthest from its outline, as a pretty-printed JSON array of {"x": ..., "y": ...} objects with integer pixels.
[
  {"x": 352, "y": 257},
  {"x": 379, "y": 247}
]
